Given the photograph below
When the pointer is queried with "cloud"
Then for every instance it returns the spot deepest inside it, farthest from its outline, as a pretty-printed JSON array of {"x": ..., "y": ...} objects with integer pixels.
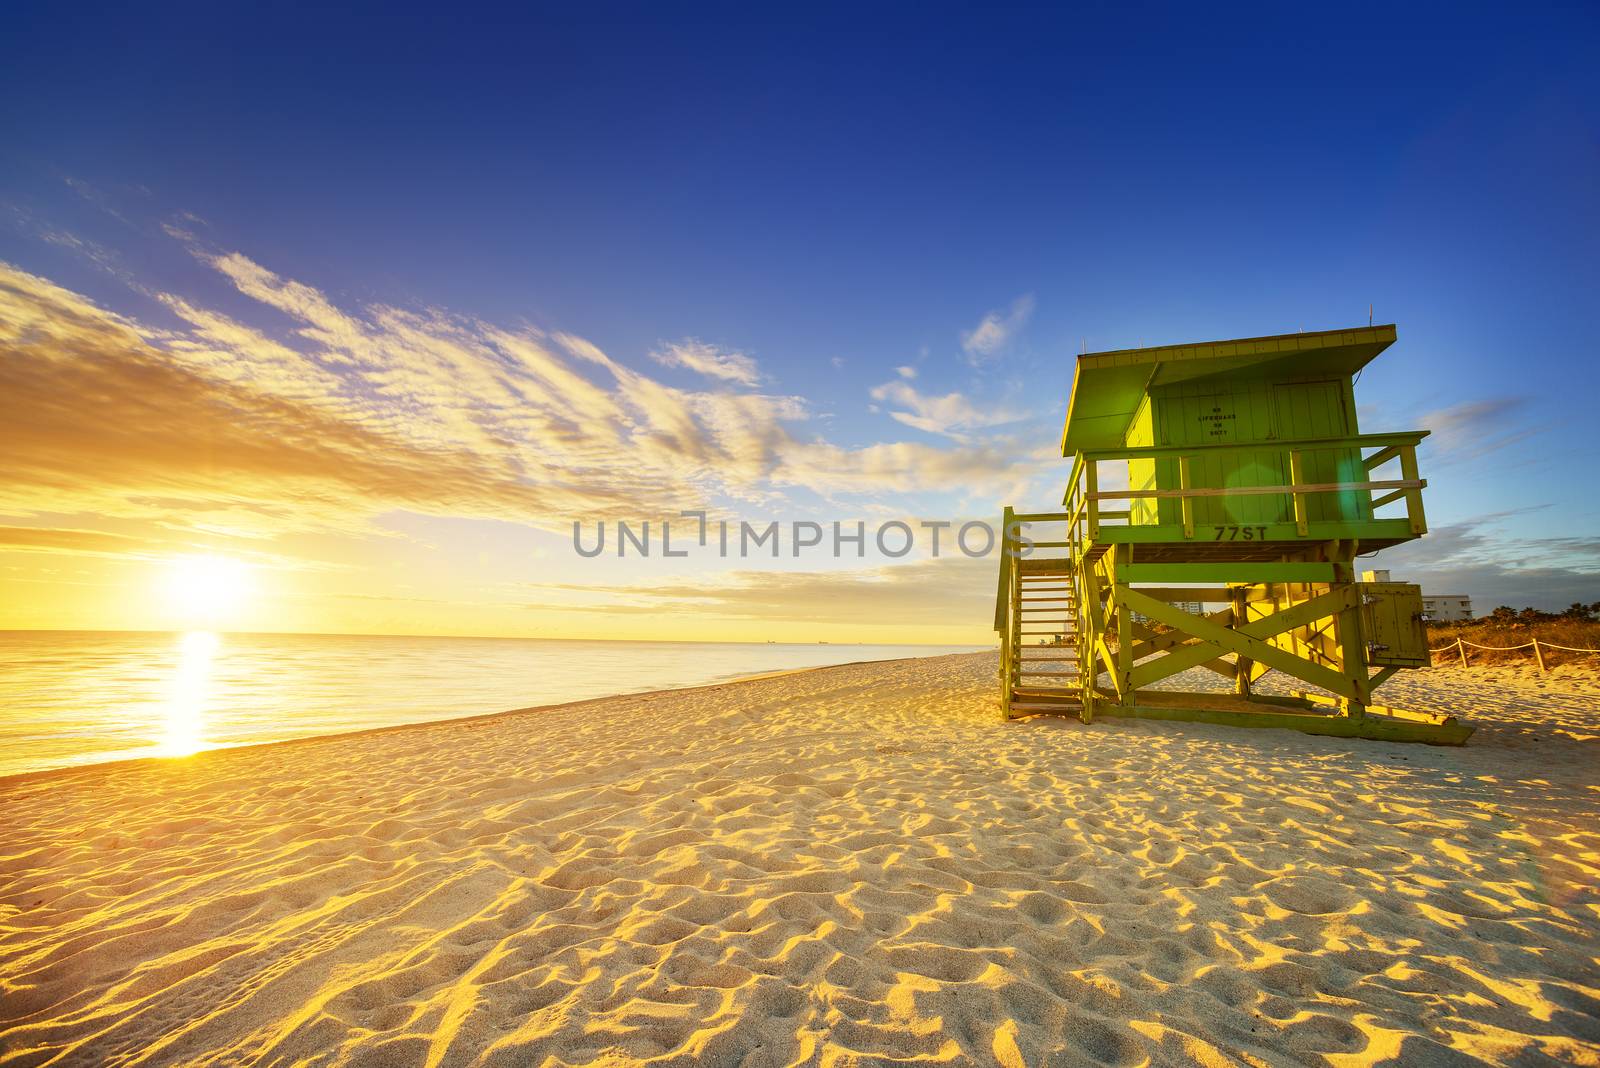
[
  {"x": 97, "y": 197},
  {"x": 335, "y": 417},
  {"x": 901, "y": 467},
  {"x": 100, "y": 421},
  {"x": 1475, "y": 429},
  {"x": 906, "y": 372},
  {"x": 997, "y": 330},
  {"x": 710, "y": 361},
  {"x": 900, "y": 595},
  {"x": 1493, "y": 567},
  {"x": 951, "y": 415},
  {"x": 76, "y": 542}
]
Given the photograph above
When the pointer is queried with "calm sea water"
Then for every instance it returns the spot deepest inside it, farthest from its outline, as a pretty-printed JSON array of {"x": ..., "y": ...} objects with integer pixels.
[{"x": 75, "y": 698}]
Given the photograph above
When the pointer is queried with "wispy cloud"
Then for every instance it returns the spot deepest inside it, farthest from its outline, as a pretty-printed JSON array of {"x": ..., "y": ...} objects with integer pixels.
[
  {"x": 97, "y": 197},
  {"x": 1472, "y": 557},
  {"x": 900, "y": 595},
  {"x": 710, "y": 361},
  {"x": 1475, "y": 429},
  {"x": 951, "y": 415},
  {"x": 74, "y": 541},
  {"x": 997, "y": 330},
  {"x": 343, "y": 415}
]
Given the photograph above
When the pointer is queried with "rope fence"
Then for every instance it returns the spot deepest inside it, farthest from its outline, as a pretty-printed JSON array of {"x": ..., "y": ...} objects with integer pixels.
[{"x": 1461, "y": 645}]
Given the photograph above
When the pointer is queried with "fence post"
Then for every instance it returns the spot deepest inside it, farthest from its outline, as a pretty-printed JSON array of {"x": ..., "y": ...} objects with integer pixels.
[
  {"x": 1537, "y": 655},
  {"x": 1462, "y": 649}
]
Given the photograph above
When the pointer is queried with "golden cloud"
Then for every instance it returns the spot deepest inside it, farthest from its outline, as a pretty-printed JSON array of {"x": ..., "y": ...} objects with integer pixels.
[{"x": 355, "y": 414}]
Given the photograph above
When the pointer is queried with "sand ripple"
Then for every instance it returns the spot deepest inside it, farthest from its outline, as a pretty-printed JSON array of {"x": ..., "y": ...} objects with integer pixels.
[{"x": 855, "y": 865}]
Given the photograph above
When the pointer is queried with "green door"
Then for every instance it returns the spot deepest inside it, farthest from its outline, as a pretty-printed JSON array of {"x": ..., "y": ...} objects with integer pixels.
[{"x": 1310, "y": 410}]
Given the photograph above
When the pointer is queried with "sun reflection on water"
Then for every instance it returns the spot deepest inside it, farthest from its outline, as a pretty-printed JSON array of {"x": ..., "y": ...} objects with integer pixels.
[{"x": 190, "y": 695}]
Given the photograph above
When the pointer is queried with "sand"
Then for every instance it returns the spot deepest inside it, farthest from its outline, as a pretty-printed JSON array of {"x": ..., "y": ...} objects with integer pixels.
[{"x": 852, "y": 865}]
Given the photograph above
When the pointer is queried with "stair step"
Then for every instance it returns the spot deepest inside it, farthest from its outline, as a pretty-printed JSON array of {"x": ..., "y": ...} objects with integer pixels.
[{"x": 1047, "y": 674}]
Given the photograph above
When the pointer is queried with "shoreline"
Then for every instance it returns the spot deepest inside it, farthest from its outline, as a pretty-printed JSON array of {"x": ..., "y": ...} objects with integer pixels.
[
  {"x": 121, "y": 762},
  {"x": 1581, "y": 678}
]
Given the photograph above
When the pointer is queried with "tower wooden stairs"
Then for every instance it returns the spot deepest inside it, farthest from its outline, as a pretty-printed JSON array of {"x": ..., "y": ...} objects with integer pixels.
[{"x": 1041, "y": 662}]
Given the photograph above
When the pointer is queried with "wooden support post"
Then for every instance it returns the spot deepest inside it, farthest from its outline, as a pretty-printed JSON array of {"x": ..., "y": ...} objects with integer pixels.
[
  {"x": 1005, "y": 613},
  {"x": 1091, "y": 629},
  {"x": 1462, "y": 649},
  {"x": 1348, "y": 631},
  {"x": 1242, "y": 663},
  {"x": 1124, "y": 626},
  {"x": 1091, "y": 498},
  {"x": 1186, "y": 503},
  {"x": 1082, "y": 584},
  {"x": 1297, "y": 477},
  {"x": 1016, "y": 627},
  {"x": 1408, "y": 471},
  {"x": 1537, "y": 655}
]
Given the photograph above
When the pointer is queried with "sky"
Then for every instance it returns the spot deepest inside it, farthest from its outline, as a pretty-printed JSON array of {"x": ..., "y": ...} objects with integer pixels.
[{"x": 373, "y": 305}]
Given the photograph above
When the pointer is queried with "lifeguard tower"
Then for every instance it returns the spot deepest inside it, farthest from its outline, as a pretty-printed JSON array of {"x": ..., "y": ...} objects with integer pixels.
[{"x": 1220, "y": 495}]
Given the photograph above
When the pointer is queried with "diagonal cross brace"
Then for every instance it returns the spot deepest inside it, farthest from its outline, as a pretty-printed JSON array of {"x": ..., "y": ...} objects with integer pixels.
[{"x": 1246, "y": 639}]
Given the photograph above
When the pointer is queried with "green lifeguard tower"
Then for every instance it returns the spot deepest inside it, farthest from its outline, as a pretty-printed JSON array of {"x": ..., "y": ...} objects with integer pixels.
[{"x": 1220, "y": 494}]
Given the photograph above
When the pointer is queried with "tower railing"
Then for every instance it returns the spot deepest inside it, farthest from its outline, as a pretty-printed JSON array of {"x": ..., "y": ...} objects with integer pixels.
[{"x": 1285, "y": 480}]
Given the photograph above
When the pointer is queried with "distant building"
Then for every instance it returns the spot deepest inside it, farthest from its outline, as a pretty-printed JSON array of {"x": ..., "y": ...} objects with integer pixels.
[
  {"x": 1194, "y": 608},
  {"x": 1436, "y": 607},
  {"x": 1446, "y": 607}
]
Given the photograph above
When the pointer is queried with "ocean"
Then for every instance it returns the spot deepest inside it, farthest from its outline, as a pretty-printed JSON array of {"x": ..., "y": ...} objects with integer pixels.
[{"x": 72, "y": 697}]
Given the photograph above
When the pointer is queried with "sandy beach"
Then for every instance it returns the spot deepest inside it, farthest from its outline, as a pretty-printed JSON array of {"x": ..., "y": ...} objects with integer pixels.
[{"x": 849, "y": 865}]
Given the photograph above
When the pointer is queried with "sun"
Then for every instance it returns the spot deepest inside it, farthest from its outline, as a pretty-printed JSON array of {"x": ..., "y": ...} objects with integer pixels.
[{"x": 207, "y": 588}]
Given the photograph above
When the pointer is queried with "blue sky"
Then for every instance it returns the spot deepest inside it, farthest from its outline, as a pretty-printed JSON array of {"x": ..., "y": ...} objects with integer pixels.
[{"x": 834, "y": 193}]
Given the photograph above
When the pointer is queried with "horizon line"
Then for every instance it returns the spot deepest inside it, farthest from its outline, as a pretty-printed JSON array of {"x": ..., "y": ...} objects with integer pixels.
[{"x": 466, "y": 637}]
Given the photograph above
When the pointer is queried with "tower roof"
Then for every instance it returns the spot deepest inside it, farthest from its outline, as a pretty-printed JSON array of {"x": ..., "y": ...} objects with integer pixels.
[{"x": 1108, "y": 386}]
